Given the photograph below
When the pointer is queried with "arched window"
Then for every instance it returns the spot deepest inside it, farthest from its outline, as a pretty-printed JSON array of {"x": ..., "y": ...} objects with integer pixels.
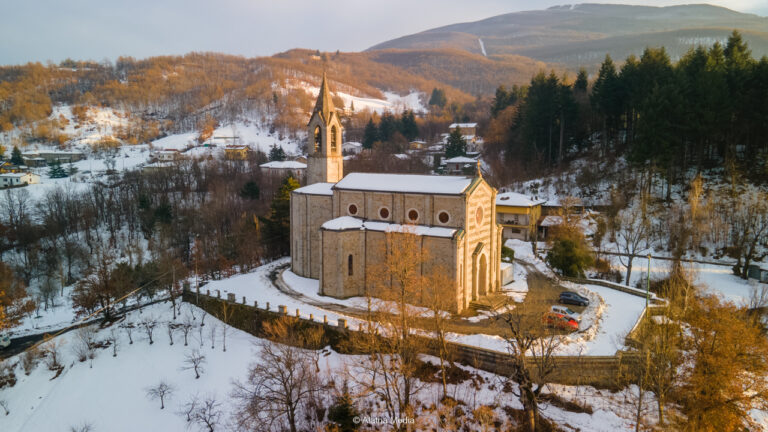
[
  {"x": 350, "y": 265},
  {"x": 318, "y": 139},
  {"x": 333, "y": 138}
]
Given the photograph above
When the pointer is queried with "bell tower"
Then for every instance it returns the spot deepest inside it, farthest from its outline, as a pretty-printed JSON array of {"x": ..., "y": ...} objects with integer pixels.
[{"x": 324, "y": 162}]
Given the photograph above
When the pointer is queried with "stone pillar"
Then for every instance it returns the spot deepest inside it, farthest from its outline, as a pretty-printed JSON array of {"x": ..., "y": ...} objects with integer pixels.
[
  {"x": 231, "y": 297},
  {"x": 282, "y": 309}
]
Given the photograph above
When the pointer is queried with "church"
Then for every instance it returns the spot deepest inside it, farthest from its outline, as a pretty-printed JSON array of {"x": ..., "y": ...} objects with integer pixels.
[{"x": 339, "y": 223}]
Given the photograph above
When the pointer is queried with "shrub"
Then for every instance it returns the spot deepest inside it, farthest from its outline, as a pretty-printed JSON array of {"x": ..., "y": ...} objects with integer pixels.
[{"x": 570, "y": 254}]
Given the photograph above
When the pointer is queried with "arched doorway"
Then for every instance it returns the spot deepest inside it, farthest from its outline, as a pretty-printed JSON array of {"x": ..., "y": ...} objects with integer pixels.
[{"x": 482, "y": 282}]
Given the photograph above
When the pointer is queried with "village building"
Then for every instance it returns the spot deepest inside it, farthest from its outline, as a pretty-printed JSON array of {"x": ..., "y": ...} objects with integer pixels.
[
  {"x": 166, "y": 155},
  {"x": 518, "y": 214},
  {"x": 351, "y": 147},
  {"x": 236, "y": 152},
  {"x": 18, "y": 179},
  {"x": 459, "y": 164},
  {"x": 284, "y": 168},
  {"x": 339, "y": 224},
  {"x": 7, "y": 167},
  {"x": 53, "y": 156}
]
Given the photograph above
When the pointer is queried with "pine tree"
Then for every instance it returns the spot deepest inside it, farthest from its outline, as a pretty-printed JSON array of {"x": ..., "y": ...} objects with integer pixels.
[
  {"x": 408, "y": 126},
  {"x": 16, "y": 158},
  {"x": 370, "y": 135},
  {"x": 388, "y": 125},
  {"x": 438, "y": 98},
  {"x": 276, "y": 229},
  {"x": 276, "y": 153},
  {"x": 456, "y": 145},
  {"x": 582, "y": 81},
  {"x": 56, "y": 171}
]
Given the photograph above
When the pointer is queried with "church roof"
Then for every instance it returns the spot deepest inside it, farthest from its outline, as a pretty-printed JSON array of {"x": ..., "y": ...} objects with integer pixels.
[
  {"x": 344, "y": 223},
  {"x": 324, "y": 105},
  {"x": 316, "y": 189},
  {"x": 405, "y": 183}
]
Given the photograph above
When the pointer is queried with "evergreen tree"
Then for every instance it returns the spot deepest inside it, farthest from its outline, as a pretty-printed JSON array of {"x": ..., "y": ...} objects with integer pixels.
[
  {"x": 276, "y": 153},
  {"x": 388, "y": 125},
  {"x": 582, "y": 81},
  {"x": 56, "y": 171},
  {"x": 250, "y": 190},
  {"x": 438, "y": 98},
  {"x": 456, "y": 145},
  {"x": 344, "y": 413},
  {"x": 276, "y": 229},
  {"x": 370, "y": 135},
  {"x": 16, "y": 158},
  {"x": 408, "y": 126}
]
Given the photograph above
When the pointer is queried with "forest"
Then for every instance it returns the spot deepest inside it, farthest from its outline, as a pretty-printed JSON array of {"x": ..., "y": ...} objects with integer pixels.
[{"x": 709, "y": 110}]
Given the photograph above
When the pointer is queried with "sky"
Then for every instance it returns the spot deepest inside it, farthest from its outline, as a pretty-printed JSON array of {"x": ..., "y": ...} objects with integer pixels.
[{"x": 43, "y": 30}]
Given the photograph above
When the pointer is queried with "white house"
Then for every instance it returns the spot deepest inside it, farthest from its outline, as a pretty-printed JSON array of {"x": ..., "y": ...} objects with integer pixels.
[
  {"x": 351, "y": 147},
  {"x": 456, "y": 165},
  {"x": 294, "y": 168},
  {"x": 167, "y": 155},
  {"x": 18, "y": 179}
]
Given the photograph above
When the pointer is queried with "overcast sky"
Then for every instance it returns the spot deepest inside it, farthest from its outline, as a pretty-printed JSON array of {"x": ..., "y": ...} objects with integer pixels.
[{"x": 41, "y": 30}]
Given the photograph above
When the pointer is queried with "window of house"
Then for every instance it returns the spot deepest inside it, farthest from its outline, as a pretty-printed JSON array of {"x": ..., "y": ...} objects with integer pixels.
[
  {"x": 413, "y": 215},
  {"x": 350, "y": 265},
  {"x": 443, "y": 217},
  {"x": 333, "y": 138},
  {"x": 479, "y": 215},
  {"x": 318, "y": 139},
  {"x": 384, "y": 213},
  {"x": 352, "y": 209}
]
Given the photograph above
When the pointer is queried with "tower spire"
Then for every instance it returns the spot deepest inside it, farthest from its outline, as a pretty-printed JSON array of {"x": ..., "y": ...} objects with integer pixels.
[{"x": 324, "y": 105}]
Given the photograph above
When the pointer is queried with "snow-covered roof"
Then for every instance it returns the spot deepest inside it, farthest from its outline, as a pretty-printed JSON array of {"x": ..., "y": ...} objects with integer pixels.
[
  {"x": 552, "y": 221},
  {"x": 515, "y": 199},
  {"x": 348, "y": 222},
  {"x": 462, "y": 125},
  {"x": 401, "y": 156},
  {"x": 17, "y": 175},
  {"x": 284, "y": 165},
  {"x": 352, "y": 144},
  {"x": 460, "y": 159},
  {"x": 316, "y": 189},
  {"x": 407, "y": 183}
]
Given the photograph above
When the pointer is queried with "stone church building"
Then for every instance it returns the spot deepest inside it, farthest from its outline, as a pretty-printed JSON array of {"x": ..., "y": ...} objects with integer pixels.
[{"x": 339, "y": 223}]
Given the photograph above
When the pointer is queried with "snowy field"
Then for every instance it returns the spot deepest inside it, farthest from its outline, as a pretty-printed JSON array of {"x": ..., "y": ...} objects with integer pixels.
[{"x": 110, "y": 394}]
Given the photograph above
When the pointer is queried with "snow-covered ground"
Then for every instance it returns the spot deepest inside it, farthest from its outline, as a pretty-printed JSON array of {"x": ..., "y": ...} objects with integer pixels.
[
  {"x": 251, "y": 134},
  {"x": 112, "y": 393},
  {"x": 392, "y": 101}
]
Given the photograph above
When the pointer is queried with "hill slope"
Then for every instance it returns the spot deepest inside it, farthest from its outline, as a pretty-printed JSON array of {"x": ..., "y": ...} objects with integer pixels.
[{"x": 581, "y": 34}]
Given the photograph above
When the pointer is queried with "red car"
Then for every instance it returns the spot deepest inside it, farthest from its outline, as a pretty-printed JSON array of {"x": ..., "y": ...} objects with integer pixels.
[{"x": 559, "y": 321}]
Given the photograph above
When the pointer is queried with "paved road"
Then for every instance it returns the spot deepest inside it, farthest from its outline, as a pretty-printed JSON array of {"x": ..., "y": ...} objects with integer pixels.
[{"x": 21, "y": 344}]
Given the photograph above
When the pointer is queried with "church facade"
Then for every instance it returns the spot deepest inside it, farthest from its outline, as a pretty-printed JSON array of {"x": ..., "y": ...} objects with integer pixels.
[{"x": 339, "y": 223}]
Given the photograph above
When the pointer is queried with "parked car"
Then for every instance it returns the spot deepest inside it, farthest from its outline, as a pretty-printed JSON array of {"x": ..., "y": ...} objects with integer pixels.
[
  {"x": 5, "y": 341},
  {"x": 569, "y": 297},
  {"x": 564, "y": 310},
  {"x": 559, "y": 321}
]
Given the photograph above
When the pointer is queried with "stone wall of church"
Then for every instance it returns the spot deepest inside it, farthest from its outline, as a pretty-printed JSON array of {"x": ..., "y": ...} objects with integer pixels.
[
  {"x": 343, "y": 256},
  {"x": 308, "y": 213},
  {"x": 368, "y": 205}
]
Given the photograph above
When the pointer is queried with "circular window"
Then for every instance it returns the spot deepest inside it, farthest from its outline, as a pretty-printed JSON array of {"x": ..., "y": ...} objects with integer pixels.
[
  {"x": 479, "y": 215},
  {"x": 443, "y": 217},
  {"x": 352, "y": 209},
  {"x": 413, "y": 215},
  {"x": 384, "y": 213}
]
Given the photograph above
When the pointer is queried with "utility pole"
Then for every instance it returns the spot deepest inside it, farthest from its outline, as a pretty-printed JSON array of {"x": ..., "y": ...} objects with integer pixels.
[{"x": 648, "y": 282}]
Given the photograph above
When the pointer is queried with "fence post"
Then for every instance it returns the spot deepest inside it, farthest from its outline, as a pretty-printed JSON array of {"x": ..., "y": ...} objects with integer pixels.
[
  {"x": 267, "y": 306},
  {"x": 325, "y": 319},
  {"x": 243, "y": 299},
  {"x": 342, "y": 323},
  {"x": 231, "y": 297},
  {"x": 256, "y": 304},
  {"x": 297, "y": 313},
  {"x": 208, "y": 292},
  {"x": 282, "y": 309},
  {"x": 218, "y": 293},
  {"x": 311, "y": 317}
]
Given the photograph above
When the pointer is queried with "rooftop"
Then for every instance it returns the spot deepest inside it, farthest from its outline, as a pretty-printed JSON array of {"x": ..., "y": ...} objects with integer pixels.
[
  {"x": 352, "y": 223},
  {"x": 284, "y": 165},
  {"x": 407, "y": 183},
  {"x": 461, "y": 159},
  {"x": 462, "y": 125},
  {"x": 515, "y": 199},
  {"x": 316, "y": 189}
]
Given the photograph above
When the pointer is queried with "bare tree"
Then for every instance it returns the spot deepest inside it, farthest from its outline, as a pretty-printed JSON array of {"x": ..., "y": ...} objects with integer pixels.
[
  {"x": 83, "y": 427},
  {"x": 278, "y": 383},
  {"x": 170, "y": 328},
  {"x": 83, "y": 345},
  {"x": 212, "y": 334},
  {"x": 160, "y": 391},
  {"x": 113, "y": 340},
  {"x": 532, "y": 347},
  {"x": 194, "y": 360},
  {"x": 207, "y": 413},
  {"x": 148, "y": 323},
  {"x": 129, "y": 327},
  {"x": 51, "y": 349},
  {"x": 632, "y": 237},
  {"x": 186, "y": 326}
]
